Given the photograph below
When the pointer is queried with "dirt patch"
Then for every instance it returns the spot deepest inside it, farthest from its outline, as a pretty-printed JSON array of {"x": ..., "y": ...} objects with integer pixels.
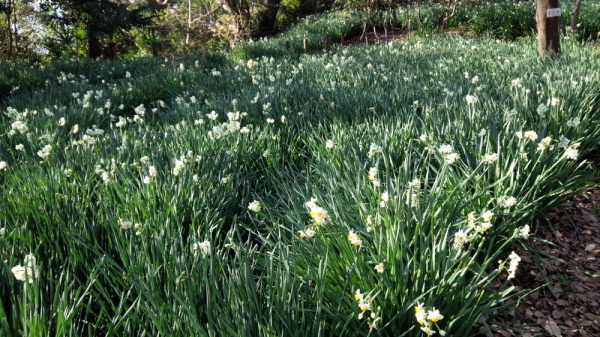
[{"x": 566, "y": 271}]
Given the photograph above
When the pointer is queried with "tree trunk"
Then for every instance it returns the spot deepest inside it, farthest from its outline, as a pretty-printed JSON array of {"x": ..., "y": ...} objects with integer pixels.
[
  {"x": 548, "y": 27},
  {"x": 16, "y": 29},
  {"x": 94, "y": 47},
  {"x": 189, "y": 24},
  {"x": 9, "y": 24},
  {"x": 575, "y": 16},
  {"x": 268, "y": 18}
]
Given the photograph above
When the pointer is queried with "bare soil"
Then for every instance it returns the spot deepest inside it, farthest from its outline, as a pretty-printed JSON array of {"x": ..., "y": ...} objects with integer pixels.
[{"x": 566, "y": 274}]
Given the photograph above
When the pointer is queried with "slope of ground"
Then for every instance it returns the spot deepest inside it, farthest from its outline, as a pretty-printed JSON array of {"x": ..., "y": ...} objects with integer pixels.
[{"x": 567, "y": 277}]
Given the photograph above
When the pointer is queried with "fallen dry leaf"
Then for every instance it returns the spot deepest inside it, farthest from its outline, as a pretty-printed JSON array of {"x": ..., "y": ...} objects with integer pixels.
[{"x": 552, "y": 328}]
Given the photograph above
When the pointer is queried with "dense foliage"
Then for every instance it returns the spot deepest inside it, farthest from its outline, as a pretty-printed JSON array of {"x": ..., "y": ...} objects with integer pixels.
[{"x": 364, "y": 191}]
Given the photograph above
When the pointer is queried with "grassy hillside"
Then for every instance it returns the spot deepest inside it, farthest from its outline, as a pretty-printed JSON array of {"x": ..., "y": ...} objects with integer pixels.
[{"x": 366, "y": 191}]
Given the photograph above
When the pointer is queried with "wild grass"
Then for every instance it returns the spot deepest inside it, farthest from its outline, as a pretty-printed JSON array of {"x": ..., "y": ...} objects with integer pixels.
[{"x": 282, "y": 196}]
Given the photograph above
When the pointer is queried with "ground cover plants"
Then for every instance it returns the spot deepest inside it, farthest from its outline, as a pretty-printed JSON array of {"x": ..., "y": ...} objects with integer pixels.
[{"x": 366, "y": 191}]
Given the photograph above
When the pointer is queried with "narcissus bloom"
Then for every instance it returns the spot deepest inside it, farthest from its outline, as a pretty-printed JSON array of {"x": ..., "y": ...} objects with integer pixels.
[
  {"x": 487, "y": 216},
  {"x": 318, "y": 214},
  {"x": 414, "y": 184},
  {"x": 546, "y": 141},
  {"x": 460, "y": 236},
  {"x": 571, "y": 153},
  {"x": 445, "y": 148},
  {"x": 513, "y": 265},
  {"x": 354, "y": 239},
  {"x": 358, "y": 296},
  {"x": 490, "y": 158},
  {"x": 203, "y": 247},
  {"x": 385, "y": 197},
  {"x": 486, "y": 226},
  {"x": 532, "y": 135},
  {"x": 434, "y": 315},
  {"x": 427, "y": 330},
  {"x": 420, "y": 313},
  {"x": 179, "y": 165},
  {"x": 27, "y": 273},
  {"x": 364, "y": 306},
  {"x": 125, "y": 224},
  {"x": 379, "y": 268},
  {"x": 372, "y": 173},
  {"x": 374, "y": 149},
  {"x": 541, "y": 109},
  {"x": 574, "y": 122},
  {"x": 523, "y": 232},
  {"x": 254, "y": 206},
  {"x": 450, "y": 158},
  {"x": 309, "y": 233},
  {"x": 471, "y": 219},
  {"x": 471, "y": 99},
  {"x": 508, "y": 201}
]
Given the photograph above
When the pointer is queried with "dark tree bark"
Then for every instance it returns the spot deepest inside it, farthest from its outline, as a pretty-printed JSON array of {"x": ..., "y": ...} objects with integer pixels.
[
  {"x": 109, "y": 51},
  {"x": 575, "y": 16},
  {"x": 94, "y": 47},
  {"x": 9, "y": 26},
  {"x": 548, "y": 28},
  {"x": 268, "y": 18}
]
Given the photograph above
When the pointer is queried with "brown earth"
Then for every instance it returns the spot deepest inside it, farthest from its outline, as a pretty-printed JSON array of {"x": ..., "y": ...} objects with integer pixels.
[
  {"x": 565, "y": 276},
  {"x": 562, "y": 283}
]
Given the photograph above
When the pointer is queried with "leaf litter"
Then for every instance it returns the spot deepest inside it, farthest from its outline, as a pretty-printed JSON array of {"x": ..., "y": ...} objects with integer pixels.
[{"x": 565, "y": 300}]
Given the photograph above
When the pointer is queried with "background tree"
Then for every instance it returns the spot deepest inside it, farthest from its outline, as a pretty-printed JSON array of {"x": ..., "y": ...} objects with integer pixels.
[
  {"x": 101, "y": 20},
  {"x": 548, "y": 28},
  {"x": 575, "y": 15},
  {"x": 266, "y": 21},
  {"x": 7, "y": 8},
  {"x": 237, "y": 19}
]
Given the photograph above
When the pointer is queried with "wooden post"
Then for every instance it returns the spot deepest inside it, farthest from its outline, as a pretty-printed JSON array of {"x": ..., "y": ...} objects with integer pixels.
[
  {"x": 305, "y": 43},
  {"x": 547, "y": 17},
  {"x": 342, "y": 39},
  {"x": 287, "y": 45},
  {"x": 327, "y": 42}
]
